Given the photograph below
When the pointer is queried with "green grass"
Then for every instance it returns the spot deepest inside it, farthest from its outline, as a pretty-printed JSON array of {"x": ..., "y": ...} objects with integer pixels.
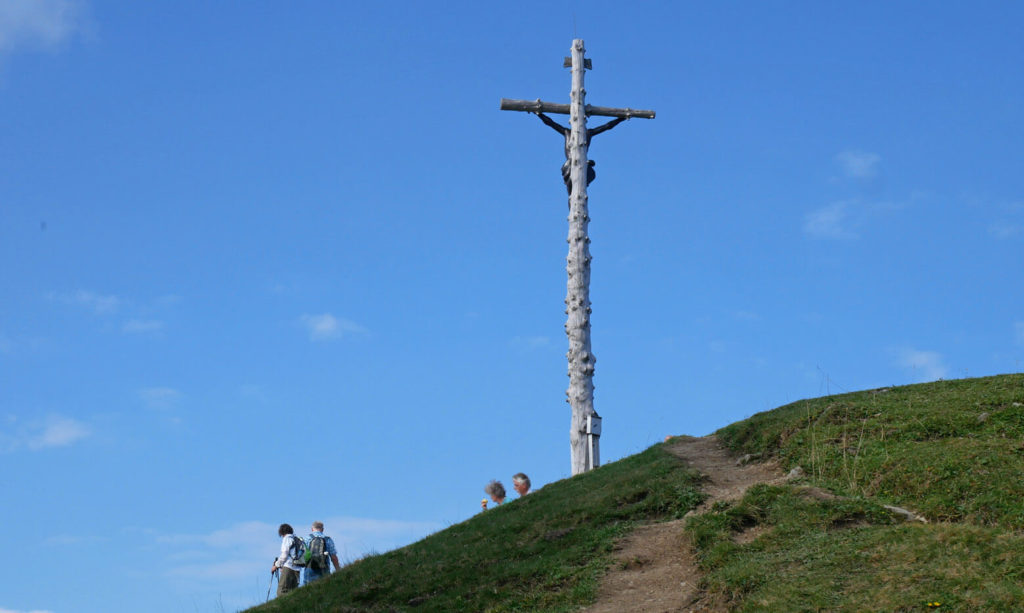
[
  {"x": 544, "y": 552},
  {"x": 852, "y": 555},
  {"x": 952, "y": 451}
]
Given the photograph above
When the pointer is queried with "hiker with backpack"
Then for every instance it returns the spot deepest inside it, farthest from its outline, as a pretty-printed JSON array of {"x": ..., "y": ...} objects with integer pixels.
[
  {"x": 292, "y": 558},
  {"x": 319, "y": 549}
]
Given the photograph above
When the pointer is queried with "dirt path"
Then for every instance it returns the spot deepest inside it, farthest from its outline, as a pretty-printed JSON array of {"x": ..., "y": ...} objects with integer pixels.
[{"x": 654, "y": 569}]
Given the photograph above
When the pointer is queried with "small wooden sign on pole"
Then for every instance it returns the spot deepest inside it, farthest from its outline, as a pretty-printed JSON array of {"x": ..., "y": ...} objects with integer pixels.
[{"x": 593, "y": 441}]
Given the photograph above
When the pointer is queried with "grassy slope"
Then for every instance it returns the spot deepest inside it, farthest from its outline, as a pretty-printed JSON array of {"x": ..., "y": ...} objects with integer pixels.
[
  {"x": 938, "y": 448},
  {"x": 544, "y": 552},
  {"x": 952, "y": 451}
]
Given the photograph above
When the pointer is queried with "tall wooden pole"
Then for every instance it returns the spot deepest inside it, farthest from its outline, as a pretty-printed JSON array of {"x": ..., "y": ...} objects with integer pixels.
[
  {"x": 585, "y": 425},
  {"x": 580, "y": 394}
]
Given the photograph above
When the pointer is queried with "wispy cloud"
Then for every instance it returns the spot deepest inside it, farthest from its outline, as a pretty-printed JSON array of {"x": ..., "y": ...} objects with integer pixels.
[
  {"x": 252, "y": 391},
  {"x": 65, "y": 540},
  {"x": 58, "y": 432},
  {"x": 2, "y": 610},
  {"x": 237, "y": 552},
  {"x": 1004, "y": 230},
  {"x": 926, "y": 365},
  {"x": 53, "y": 431},
  {"x": 1006, "y": 218},
  {"x": 718, "y": 346},
  {"x": 1011, "y": 222},
  {"x": 357, "y": 536},
  {"x": 38, "y": 23},
  {"x": 327, "y": 327},
  {"x": 97, "y": 303},
  {"x": 834, "y": 221},
  {"x": 859, "y": 164},
  {"x": 530, "y": 342},
  {"x": 159, "y": 397},
  {"x": 747, "y": 315},
  {"x": 1018, "y": 329},
  {"x": 142, "y": 326},
  {"x": 844, "y": 219}
]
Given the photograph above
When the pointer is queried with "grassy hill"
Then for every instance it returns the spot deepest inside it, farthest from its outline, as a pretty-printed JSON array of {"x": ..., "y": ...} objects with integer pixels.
[
  {"x": 952, "y": 451},
  {"x": 544, "y": 552}
]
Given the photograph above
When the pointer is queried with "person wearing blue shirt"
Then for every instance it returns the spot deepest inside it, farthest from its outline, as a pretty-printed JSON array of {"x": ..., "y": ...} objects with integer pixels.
[{"x": 310, "y": 574}]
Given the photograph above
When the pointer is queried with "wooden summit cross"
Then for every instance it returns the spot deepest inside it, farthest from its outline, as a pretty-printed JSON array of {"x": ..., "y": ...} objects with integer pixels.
[{"x": 585, "y": 428}]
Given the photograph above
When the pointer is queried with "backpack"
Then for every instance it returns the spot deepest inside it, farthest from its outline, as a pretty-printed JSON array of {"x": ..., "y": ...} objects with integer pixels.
[
  {"x": 316, "y": 554},
  {"x": 297, "y": 551}
]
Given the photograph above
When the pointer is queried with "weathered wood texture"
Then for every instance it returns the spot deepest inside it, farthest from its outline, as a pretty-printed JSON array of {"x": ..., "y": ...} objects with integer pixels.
[
  {"x": 584, "y": 448},
  {"x": 539, "y": 106},
  {"x": 580, "y": 394}
]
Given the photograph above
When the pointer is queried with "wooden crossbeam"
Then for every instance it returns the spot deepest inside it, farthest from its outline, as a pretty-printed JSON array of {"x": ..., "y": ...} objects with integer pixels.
[{"x": 539, "y": 106}]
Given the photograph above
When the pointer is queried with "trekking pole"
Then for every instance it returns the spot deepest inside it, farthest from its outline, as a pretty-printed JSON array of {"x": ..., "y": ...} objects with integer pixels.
[{"x": 273, "y": 574}]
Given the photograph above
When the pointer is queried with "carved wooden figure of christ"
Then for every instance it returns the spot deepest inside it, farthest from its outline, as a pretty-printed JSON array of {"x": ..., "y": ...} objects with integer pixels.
[{"x": 567, "y": 133}]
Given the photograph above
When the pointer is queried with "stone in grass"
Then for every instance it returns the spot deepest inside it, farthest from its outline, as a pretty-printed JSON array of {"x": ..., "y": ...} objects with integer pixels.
[{"x": 747, "y": 459}]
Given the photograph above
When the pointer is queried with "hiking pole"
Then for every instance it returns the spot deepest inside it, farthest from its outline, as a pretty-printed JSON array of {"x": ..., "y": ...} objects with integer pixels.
[{"x": 273, "y": 574}]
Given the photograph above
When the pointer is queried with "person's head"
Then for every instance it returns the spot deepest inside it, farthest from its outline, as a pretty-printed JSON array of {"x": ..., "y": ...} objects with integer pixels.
[
  {"x": 318, "y": 526},
  {"x": 521, "y": 483},
  {"x": 495, "y": 490},
  {"x": 285, "y": 530}
]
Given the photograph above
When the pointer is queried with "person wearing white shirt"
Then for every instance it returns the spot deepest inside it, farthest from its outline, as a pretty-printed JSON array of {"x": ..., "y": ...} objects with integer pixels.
[{"x": 289, "y": 579}]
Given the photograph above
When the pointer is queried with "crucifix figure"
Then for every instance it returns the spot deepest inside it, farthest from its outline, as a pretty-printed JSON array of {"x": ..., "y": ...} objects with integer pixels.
[
  {"x": 567, "y": 133},
  {"x": 578, "y": 172}
]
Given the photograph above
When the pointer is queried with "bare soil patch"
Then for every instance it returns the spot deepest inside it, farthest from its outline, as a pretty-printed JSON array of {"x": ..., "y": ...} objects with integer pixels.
[{"x": 654, "y": 569}]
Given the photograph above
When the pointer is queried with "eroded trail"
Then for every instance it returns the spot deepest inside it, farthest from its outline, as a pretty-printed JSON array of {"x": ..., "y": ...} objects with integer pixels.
[{"x": 654, "y": 569}]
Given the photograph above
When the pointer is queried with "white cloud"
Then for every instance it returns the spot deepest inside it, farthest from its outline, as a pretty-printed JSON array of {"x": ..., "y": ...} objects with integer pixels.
[
  {"x": 58, "y": 432},
  {"x": 833, "y": 221},
  {"x": 159, "y": 397},
  {"x": 1005, "y": 230},
  {"x": 926, "y": 365},
  {"x": 859, "y": 164},
  {"x": 357, "y": 536},
  {"x": 142, "y": 326},
  {"x": 244, "y": 549},
  {"x": 38, "y": 23},
  {"x": 65, "y": 540},
  {"x": 2, "y": 610},
  {"x": 530, "y": 342},
  {"x": 236, "y": 552},
  {"x": 718, "y": 346},
  {"x": 98, "y": 303},
  {"x": 326, "y": 327},
  {"x": 252, "y": 391},
  {"x": 54, "y": 431}
]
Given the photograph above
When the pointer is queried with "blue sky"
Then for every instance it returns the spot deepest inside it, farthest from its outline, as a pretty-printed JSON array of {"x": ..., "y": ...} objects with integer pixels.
[{"x": 267, "y": 262}]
